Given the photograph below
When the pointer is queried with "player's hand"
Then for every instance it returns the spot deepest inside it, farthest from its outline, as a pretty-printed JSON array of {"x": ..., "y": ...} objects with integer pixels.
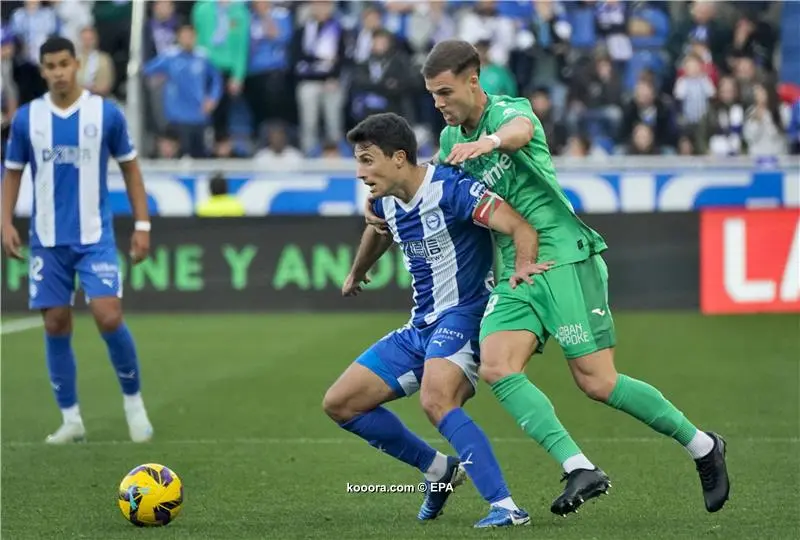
[
  {"x": 524, "y": 273},
  {"x": 461, "y": 152},
  {"x": 140, "y": 246},
  {"x": 11, "y": 242},
  {"x": 352, "y": 285},
  {"x": 377, "y": 223}
]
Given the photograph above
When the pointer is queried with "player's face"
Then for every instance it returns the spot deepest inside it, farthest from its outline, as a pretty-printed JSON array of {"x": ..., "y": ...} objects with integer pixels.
[
  {"x": 455, "y": 96},
  {"x": 60, "y": 69},
  {"x": 378, "y": 172}
]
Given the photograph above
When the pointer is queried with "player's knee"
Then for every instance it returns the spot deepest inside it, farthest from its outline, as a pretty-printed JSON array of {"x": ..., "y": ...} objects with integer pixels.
[
  {"x": 335, "y": 405},
  {"x": 597, "y": 387},
  {"x": 108, "y": 320},
  {"x": 57, "y": 322},
  {"x": 437, "y": 404},
  {"x": 491, "y": 372}
]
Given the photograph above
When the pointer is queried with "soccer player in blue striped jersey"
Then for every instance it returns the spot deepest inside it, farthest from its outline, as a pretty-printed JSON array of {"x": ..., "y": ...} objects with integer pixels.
[
  {"x": 440, "y": 217},
  {"x": 66, "y": 137}
]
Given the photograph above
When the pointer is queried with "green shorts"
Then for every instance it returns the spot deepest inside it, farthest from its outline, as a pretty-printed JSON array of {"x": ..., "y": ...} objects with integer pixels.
[{"x": 569, "y": 303}]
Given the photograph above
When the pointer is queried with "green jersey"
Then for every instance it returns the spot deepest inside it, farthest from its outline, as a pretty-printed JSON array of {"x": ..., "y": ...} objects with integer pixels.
[{"x": 526, "y": 179}]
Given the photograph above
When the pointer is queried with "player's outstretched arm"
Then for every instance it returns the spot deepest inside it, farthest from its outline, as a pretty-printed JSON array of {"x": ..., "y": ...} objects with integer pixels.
[
  {"x": 140, "y": 241},
  {"x": 373, "y": 245},
  {"x": 11, "y": 183},
  {"x": 494, "y": 213}
]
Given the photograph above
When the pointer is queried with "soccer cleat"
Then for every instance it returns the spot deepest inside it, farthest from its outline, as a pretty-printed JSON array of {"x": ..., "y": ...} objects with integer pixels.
[
  {"x": 503, "y": 517},
  {"x": 437, "y": 493},
  {"x": 713, "y": 473},
  {"x": 582, "y": 485},
  {"x": 139, "y": 426},
  {"x": 68, "y": 432}
]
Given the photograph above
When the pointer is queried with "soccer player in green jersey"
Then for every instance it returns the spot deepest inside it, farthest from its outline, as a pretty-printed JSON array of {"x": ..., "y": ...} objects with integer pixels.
[{"x": 499, "y": 140}]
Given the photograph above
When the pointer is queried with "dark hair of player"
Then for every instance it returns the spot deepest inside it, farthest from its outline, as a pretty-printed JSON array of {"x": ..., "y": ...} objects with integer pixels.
[
  {"x": 389, "y": 132},
  {"x": 451, "y": 55},
  {"x": 56, "y": 44}
]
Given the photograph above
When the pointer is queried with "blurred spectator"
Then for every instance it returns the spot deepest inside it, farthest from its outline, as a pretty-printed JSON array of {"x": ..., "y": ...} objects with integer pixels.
[
  {"x": 96, "y": 72},
  {"x": 278, "y": 154},
  {"x": 112, "y": 18},
  {"x": 553, "y": 130},
  {"x": 317, "y": 54},
  {"x": 763, "y": 126},
  {"x": 495, "y": 78},
  {"x": 702, "y": 26},
  {"x": 643, "y": 142},
  {"x": 794, "y": 128},
  {"x": 161, "y": 31},
  {"x": 223, "y": 30},
  {"x": 594, "y": 97},
  {"x": 193, "y": 89},
  {"x": 747, "y": 76},
  {"x": 330, "y": 150},
  {"x": 484, "y": 23},
  {"x": 32, "y": 24},
  {"x": 430, "y": 23},
  {"x": 380, "y": 84},
  {"x": 611, "y": 24},
  {"x": 720, "y": 131},
  {"x": 753, "y": 39},
  {"x": 362, "y": 43},
  {"x": 267, "y": 82},
  {"x": 169, "y": 144},
  {"x": 648, "y": 108},
  {"x": 686, "y": 146},
  {"x": 9, "y": 93},
  {"x": 220, "y": 203},
  {"x": 580, "y": 146},
  {"x": 74, "y": 16},
  {"x": 693, "y": 89}
]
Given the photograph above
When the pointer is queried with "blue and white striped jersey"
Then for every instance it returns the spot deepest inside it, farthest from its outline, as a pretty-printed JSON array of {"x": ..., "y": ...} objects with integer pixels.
[
  {"x": 68, "y": 153},
  {"x": 448, "y": 255}
]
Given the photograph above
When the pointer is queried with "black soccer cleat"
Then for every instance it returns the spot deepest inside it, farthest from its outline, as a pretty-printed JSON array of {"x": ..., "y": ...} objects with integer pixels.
[
  {"x": 713, "y": 473},
  {"x": 582, "y": 485}
]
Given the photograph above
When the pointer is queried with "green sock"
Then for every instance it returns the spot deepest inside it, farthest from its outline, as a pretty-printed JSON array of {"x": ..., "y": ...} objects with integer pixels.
[
  {"x": 648, "y": 405},
  {"x": 535, "y": 415}
]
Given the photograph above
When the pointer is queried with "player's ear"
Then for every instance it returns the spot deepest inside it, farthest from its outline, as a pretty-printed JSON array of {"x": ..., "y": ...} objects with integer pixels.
[{"x": 399, "y": 158}]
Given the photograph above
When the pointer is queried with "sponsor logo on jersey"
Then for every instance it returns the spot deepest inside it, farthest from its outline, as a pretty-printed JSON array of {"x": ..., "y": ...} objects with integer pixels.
[{"x": 66, "y": 155}]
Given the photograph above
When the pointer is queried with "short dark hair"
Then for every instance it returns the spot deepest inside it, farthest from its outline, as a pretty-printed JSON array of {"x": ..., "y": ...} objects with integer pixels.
[
  {"x": 451, "y": 55},
  {"x": 56, "y": 44},
  {"x": 389, "y": 132},
  {"x": 218, "y": 184}
]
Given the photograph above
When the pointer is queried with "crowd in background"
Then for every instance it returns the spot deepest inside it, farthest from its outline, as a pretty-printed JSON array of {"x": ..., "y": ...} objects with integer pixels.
[{"x": 283, "y": 81}]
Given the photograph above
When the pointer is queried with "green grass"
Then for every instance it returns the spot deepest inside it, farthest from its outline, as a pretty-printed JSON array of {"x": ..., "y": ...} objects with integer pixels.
[{"x": 236, "y": 405}]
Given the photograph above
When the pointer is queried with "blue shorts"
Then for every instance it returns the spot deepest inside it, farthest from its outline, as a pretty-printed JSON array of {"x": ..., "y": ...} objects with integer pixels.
[
  {"x": 399, "y": 358},
  {"x": 51, "y": 274}
]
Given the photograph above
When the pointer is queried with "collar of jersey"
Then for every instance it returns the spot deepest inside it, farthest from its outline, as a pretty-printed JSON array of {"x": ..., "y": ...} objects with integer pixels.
[
  {"x": 418, "y": 195},
  {"x": 69, "y": 111}
]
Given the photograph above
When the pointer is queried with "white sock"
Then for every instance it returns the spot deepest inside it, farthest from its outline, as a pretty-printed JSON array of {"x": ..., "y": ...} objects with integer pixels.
[
  {"x": 133, "y": 402},
  {"x": 507, "y": 503},
  {"x": 578, "y": 461},
  {"x": 72, "y": 415},
  {"x": 437, "y": 469},
  {"x": 700, "y": 445}
]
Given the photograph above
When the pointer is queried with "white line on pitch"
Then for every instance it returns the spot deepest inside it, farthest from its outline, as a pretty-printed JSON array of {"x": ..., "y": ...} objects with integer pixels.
[
  {"x": 354, "y": 440},
  {"x": 20, "y": 325}
]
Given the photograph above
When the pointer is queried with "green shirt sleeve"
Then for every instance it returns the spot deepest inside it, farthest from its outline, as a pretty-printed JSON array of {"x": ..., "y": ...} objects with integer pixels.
[
  {"x": 240, "y": 44},
  {"x": 507, "y": 109}
]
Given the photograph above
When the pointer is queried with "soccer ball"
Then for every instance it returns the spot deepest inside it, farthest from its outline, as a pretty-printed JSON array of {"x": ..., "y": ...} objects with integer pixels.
[{"x": 151, "y": 495}]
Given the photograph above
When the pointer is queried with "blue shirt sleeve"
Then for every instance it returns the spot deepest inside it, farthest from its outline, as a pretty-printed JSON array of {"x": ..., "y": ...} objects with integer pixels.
[
  {"x": 18, "y": 149},
  {"x": 377, "y": 208},
  {"x": 119, "y": 140},
  {"x": 463, "y": 193}
]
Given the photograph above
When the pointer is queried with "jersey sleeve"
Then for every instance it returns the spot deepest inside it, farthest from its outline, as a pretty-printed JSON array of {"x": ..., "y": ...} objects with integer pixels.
[
  {"x": 505, "y": 110},
  {"x": 377, "y": 208},
  {"x": 119, "y": 142},
  {"x": 18, "y": 150},
  {"x": 465, "y": 193}
]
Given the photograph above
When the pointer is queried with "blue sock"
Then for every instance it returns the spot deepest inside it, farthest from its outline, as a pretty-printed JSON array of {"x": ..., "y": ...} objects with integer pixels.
[
  {"x": 383, "y": 430},
  {"x": 61, "y": 365},
  {"x": 122, "y": 352},
  {"x": 473, "y": 446}
]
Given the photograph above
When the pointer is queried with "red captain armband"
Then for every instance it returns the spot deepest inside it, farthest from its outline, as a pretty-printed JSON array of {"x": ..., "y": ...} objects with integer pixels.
[{"x": 486, "y": 207}]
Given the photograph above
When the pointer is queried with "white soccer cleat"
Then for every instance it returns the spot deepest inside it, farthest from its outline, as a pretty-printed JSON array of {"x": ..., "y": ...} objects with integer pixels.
[
  {"x": 69, "y": 432},
  {"x": 139, "y": 426}
]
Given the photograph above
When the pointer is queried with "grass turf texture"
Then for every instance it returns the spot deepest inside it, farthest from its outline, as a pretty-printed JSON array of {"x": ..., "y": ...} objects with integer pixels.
[{"x": 235, "y": 401}]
